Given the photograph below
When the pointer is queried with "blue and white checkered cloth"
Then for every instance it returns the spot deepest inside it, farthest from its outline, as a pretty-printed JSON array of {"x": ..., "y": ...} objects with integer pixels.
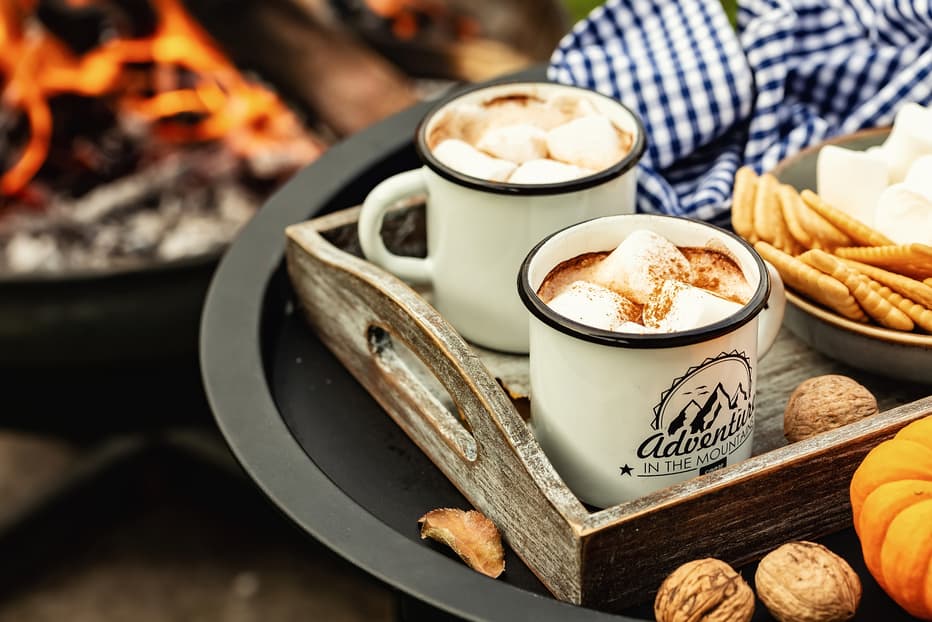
[{"x": 711, "y": 100}]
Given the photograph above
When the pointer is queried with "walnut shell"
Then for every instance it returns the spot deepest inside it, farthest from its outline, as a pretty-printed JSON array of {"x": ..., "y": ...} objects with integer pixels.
[
  {"x": 704, "y": 590},
  {"x": 824, "y": 403},
  {"x": 806, "y": 582}
]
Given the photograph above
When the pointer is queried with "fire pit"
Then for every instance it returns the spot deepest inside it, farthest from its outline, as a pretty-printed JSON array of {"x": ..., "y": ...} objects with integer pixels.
[{"x": 132, "y": 149}]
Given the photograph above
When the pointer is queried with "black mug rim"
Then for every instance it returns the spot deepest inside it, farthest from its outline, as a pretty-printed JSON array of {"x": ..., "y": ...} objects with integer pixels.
[
  {"x": 615, "y": 170},
  {"x": 551, "y": 318}
]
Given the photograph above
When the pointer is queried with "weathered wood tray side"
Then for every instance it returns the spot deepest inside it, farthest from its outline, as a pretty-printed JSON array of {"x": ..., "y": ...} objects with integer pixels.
[
  {"x": 737, "y": 514},
  {"x": 362, "y": 314},
  {"x": 608, "y": 559}
]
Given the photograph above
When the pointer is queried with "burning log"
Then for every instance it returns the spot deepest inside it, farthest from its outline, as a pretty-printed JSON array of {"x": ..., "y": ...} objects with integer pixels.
[
  {"x": 338, "y": 79},
  {"x": 470, "y": 40},
  {"x": 333, "y": 57},
  {"x": 38, "y": 66}
]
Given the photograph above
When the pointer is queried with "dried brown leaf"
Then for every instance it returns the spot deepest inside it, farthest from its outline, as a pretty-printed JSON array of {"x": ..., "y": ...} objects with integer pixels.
[{"x": 473, "y": 536}]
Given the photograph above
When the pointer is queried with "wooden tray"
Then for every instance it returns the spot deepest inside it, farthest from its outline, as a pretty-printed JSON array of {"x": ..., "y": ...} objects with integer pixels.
[{"x": 462, "y": 406}]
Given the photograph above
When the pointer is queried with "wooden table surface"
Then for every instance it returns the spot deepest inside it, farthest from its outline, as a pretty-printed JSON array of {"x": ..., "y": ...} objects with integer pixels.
[{"x": 791, "y": 361}]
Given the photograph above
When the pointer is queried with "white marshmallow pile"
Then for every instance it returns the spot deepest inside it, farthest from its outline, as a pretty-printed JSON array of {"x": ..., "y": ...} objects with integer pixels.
[
  {"x": 550, "y": 141},
  {"x": 645, "y": 285},
  {"x": 888, "y": 187}
]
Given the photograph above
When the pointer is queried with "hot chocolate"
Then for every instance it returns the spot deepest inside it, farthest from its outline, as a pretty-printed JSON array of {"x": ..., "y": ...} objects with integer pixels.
[
  {"x": 647, "y": 285},
  {"x": 528, "y": 139}
]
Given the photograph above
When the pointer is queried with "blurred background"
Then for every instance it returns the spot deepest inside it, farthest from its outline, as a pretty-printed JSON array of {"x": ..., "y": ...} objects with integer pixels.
[{"x": 136, "y": 138}]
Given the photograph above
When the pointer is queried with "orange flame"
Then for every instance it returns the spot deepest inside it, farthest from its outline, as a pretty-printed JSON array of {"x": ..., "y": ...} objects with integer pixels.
[
  {"x": 403, "y": 16},
  {"x": 37, "y": 66}
]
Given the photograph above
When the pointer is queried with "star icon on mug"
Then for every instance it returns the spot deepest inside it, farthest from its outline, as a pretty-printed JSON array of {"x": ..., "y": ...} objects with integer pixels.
[{"x": 626, "y": 470}]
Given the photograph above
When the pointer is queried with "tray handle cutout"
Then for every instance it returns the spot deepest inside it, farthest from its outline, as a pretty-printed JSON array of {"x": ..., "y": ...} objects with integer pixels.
[{"x": 415, "y": 380}]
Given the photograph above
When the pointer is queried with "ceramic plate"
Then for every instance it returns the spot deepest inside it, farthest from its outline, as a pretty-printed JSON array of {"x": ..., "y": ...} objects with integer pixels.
[{"x": 896, "y": 354}]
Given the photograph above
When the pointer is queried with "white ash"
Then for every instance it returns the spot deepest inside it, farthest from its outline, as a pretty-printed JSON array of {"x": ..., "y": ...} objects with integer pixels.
[
  {"x": 176, "y": 208},
  {"x": 28, "y": 253}
]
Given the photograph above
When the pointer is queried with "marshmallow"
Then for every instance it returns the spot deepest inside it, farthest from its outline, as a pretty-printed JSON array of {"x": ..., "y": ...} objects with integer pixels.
[
  {"x": 910, "y": 138},
  {"x": 851, "y": 180},
  {"x": 502, "y": 112},
  {"x": 904, "y": 215},
  {"x": 572, "y": 106},
  {"x": 640, "y": 264},
  {"x": 590, "y": 142},
  {"x": 546, "y": 172},
  {"x": 466, "y": 122},
  {"x": 714, "y": 270},
  {"x": 919, "y": 176},
  {"x": 516, "y": 143},
  {"x": 679, "y": 306},
  {"x": 594, "y": 305},
  {"x": 634, "y": 327},
  {"x": 468, "y": 160}
]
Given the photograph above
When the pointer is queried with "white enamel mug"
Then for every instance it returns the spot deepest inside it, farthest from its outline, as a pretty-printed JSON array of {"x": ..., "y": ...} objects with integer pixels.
[
  {"x": 478, "y": 231},
  {"x": 621, "y": 415}
]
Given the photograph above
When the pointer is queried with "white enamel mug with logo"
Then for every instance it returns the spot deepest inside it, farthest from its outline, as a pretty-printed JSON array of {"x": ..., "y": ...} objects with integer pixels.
[
  {"x": 621, "y": 415},
  {"x": 478, "y": 231}
]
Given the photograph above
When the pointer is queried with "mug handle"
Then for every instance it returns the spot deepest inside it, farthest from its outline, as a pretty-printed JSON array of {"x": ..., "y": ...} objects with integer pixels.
[
  {"x": 771, "y": 318},
  {"x": 385, "y": 195}
]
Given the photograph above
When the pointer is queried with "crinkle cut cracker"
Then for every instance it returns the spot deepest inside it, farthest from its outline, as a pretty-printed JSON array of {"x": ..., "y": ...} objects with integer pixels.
[
  {"x": 873, "y": 304},
  {"x": 812, "y": 283},
  {"x": 850, "y": 226},
  {"x": 742, "y": 203},
  {"x": 766, "y": 209},
  {"x": 902, "y": 285},
  {"x": 921, "y": 316},
  {"x": 790, "y": 205},
  {"x": 824, "y": 234}
]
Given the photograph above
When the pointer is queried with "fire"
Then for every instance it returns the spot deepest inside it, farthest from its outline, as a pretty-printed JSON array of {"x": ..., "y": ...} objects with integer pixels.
[
  {"x": 225, "y": 105},
  {"x": 403, "y": 16}
]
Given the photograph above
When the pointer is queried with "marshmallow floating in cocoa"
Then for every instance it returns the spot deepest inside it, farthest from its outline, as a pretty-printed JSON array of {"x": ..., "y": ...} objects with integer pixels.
[
  {"x": 572, "y": 106},
  {"x": 634, "y": 327},
  {"x": 466, "y": 122},
  {"x": 547, "y": 172},
  {"x": 467, "y": 159},
  {"x": 640, "y": 264},
  {"x": 851, "y": 180},
  {"x": 594, "y": 305},
  {"x": 589, "y": 142},
  {"x": 678, "y": 306},
  {"x": 517, "y": 143}
]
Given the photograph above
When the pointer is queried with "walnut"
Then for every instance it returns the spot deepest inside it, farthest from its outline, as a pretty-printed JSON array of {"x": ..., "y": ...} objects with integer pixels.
[
  {"x": 470, "y": 534},
  {"x": 806, "y": 582},
  {"x": 825, "y": 403},
  {"x": 704, "y": 590}
]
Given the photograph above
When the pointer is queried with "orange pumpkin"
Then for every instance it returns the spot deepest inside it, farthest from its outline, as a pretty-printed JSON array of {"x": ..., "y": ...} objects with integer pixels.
[{"x": 891, "y": 498}]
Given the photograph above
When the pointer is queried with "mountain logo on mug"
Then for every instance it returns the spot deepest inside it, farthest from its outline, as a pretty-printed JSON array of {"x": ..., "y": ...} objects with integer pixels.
[{"x": 705, "y": 415}]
